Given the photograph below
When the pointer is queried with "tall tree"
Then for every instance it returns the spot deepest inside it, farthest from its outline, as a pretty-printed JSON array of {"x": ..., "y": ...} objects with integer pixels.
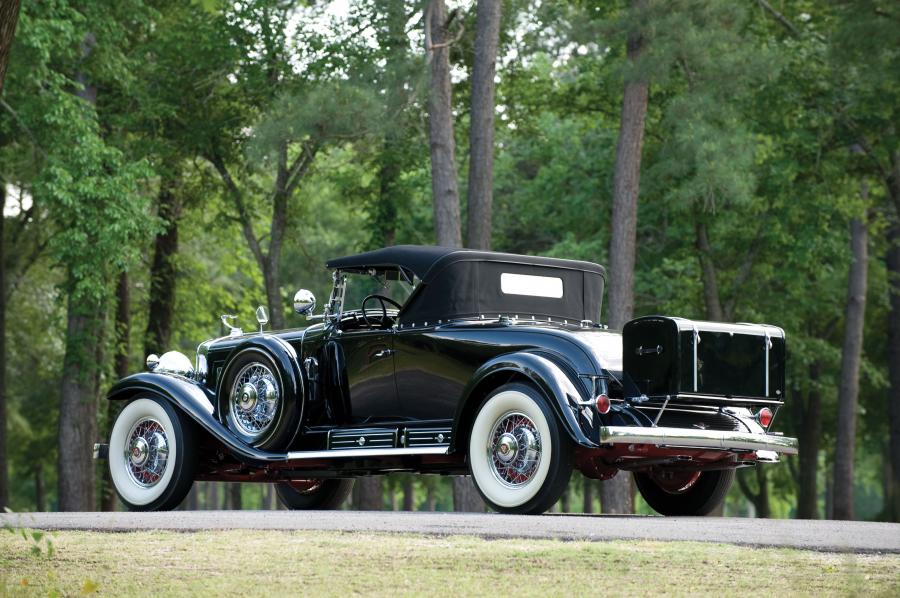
[
  {"x": 848, "y": 399},
  {"x": 444, "y": 183},
  {"x": 163, "y": 269},
  {"x": 617, "y": 494},
  {"x": 892, "y": 262},
  {"x": 481, "y": 125},
  {"x": 9, "y": 16}
]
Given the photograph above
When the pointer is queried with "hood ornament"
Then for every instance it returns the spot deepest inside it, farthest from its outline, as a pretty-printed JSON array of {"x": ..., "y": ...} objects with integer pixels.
[{"x": 232, "y": 330}]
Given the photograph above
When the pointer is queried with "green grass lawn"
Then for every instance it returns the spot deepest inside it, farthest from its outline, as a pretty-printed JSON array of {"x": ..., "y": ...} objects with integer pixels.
[{"x": 266, "y": 563}]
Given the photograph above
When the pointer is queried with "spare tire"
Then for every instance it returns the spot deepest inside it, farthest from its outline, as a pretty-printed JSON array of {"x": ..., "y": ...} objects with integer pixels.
[{"x": 254, "y": 404}]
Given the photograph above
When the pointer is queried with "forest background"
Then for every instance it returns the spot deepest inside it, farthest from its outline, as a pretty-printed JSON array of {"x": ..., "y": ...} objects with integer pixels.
[{"x": 163, "y": 162}]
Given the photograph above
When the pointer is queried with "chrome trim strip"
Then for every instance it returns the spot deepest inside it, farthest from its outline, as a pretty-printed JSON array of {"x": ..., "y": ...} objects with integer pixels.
[
  {"x": 375, "y": 452},
  {"x": 768, "y": 343},
  {"x": 744, "y": 441},
  {"x": 696, "y": 342}
]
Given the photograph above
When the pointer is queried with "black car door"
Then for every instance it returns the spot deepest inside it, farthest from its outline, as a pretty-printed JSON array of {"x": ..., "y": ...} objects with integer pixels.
[{"x": 368, "y": 362}]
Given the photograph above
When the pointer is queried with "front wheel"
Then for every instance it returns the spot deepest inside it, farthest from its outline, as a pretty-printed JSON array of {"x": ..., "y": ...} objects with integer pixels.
[
  {"x": 519, "y": 456},
  {"x": 694, "y": 493},
  {"x": 314, "y": 494},
  {"x": 152, "y": 456}
]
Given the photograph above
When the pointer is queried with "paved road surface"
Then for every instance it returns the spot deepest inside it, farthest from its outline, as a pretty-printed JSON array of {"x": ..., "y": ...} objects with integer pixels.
[{"x": 843, "y": 536}]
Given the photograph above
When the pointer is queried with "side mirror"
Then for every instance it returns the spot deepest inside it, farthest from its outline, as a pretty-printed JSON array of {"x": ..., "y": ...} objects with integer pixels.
[
  {"x": 262, "y": 316},
  {"x": 304, "y": 302}
]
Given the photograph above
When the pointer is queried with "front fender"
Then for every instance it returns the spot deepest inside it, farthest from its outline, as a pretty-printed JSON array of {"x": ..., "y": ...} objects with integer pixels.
[
  {"x": 545, "y": 374},
  {"x": 194, "y": 400}
]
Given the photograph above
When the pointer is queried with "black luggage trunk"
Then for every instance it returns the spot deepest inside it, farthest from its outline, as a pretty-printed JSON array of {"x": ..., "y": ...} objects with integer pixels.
[{"x": 705, "y": 361}]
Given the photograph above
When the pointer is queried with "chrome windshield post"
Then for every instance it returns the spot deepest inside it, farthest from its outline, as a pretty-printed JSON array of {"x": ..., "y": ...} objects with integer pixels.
[{"x": 336, "y": 302}]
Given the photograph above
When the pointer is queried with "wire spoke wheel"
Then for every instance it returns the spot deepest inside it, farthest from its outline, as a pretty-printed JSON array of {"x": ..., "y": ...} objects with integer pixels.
[
  {"x": 254, "y": 397},
  {"x": 147, "y": 452},
  {"x": 514, "y": 449},
  {"x": 518, "y": 455},
  {"x": 152, "y": 454}
]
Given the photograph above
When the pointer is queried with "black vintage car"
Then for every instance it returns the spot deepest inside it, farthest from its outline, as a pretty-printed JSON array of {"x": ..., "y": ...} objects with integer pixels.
[{"x": 448, "y": 361}]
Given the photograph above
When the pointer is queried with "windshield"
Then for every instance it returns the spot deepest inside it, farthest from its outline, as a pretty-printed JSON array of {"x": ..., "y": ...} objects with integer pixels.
[{"x": 360, "y": 286}]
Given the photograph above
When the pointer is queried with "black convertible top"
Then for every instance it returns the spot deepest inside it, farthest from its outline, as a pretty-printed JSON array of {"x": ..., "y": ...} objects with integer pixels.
[
  {"x": 425, "y": 261},
  {"x": 463, "y": 283}
]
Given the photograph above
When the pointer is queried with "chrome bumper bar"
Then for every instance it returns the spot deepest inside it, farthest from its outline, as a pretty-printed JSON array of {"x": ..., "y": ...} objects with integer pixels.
[{"x": 687, "y": 438}]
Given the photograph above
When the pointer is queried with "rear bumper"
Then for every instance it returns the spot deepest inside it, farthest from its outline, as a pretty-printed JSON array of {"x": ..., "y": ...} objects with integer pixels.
[{"x": 688, "y": 438}]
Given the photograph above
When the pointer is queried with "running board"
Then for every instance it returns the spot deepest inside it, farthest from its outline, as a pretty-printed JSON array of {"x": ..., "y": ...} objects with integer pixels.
[{"x": 372, "y": 452}]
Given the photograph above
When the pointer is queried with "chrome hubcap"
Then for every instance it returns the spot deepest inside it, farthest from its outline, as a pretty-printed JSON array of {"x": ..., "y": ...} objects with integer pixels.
[
  {"x": 147, "y": 452},
  {"x": 506, "y": 448},
  {"x": 254, "y": 399},
  {"x": 248, "y": 397},
  {"x": 514, "y": 449}
]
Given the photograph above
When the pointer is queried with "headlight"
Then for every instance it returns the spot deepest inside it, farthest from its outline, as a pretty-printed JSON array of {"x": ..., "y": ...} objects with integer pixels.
[
  {"x": 174, "y": 362},
  {"x": 201, "y": 369}
]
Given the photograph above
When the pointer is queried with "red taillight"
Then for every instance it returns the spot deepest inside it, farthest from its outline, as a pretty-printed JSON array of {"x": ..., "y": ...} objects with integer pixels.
[
  {"x": 764, "y": 417},
  {"x": 603, "y": 404}
]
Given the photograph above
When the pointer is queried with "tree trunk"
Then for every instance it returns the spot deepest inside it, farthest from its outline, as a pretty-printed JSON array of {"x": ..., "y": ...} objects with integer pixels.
[
  {"x": 809, "y": 426},
  {"x": 40, "y": 493},
  {"x": 626, "y": 185},
  {"x": 9, "y": 16},
  {"x": 430, "y": 496},
  {"x": 565, "y": 501},
  {"x": 850, "y": 364},
  {"x": 714, "y": 309},
  {"x": 78, "y": 408},
  {"x": 444, "y": 184},
  {"x": 272, "y": 281},
  {"x": 234, "y": 491},
  {"x": 123, "y": 352},
  {"x": 4, "y": 471},
  {"x": 270, "y": 498},
  {"x": 893, "y": 269},
  {"x": 588, "y": 496},
  {"x": 368, "y": 493},
  {"x": 192, "y": 503},
  {"x": 409, "y": 493},
  {"x": 466, "y": 497},
  {"x": 617, "y": 494},
  {"x": 760, "y": 498},
  {"x": 163, "y": 271},
  {"x": 212, "y": 496},
  {"x": 481, "y": 125}
]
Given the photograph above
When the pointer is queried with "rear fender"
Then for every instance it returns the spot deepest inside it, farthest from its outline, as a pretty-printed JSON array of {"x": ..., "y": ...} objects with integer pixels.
[
  {"x": 194, "y": 400},
  {"x": 556, "y": 385}
]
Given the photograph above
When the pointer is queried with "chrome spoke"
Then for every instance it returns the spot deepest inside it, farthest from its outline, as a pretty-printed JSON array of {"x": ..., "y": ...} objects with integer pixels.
[
  {"x": 254, "y": 399},
  {"x": 147, "y": 452},
  {"x": 514, "y": 449}
]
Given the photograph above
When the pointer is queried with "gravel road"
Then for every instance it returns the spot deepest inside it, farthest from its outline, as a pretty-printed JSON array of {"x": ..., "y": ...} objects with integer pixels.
[{"x": 840, "y": 536}]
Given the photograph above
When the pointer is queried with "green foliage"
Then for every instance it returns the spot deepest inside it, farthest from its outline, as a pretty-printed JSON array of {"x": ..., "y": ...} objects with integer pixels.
[{"x": 761, "y": 131}]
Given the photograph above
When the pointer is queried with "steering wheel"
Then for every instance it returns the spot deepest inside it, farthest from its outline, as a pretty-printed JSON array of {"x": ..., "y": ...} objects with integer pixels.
[{"x": 383, "y": 301}]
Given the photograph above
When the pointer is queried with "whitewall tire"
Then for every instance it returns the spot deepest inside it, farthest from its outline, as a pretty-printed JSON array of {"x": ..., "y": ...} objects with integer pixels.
[
  {"x": 519, "y": 456},
  {"x": 151, "y": 455}
]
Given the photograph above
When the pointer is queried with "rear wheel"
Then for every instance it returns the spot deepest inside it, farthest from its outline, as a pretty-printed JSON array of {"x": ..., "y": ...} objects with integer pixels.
[
  {"x": 152, "y": 455},
  {"x": 684, "y": 493},
  {"x": 314, "y": 494},
  {"x": 519, "y": 456}
]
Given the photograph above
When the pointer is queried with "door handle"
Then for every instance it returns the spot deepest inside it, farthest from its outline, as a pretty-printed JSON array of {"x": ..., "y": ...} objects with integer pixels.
[{"x": 383, "y": 353}]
